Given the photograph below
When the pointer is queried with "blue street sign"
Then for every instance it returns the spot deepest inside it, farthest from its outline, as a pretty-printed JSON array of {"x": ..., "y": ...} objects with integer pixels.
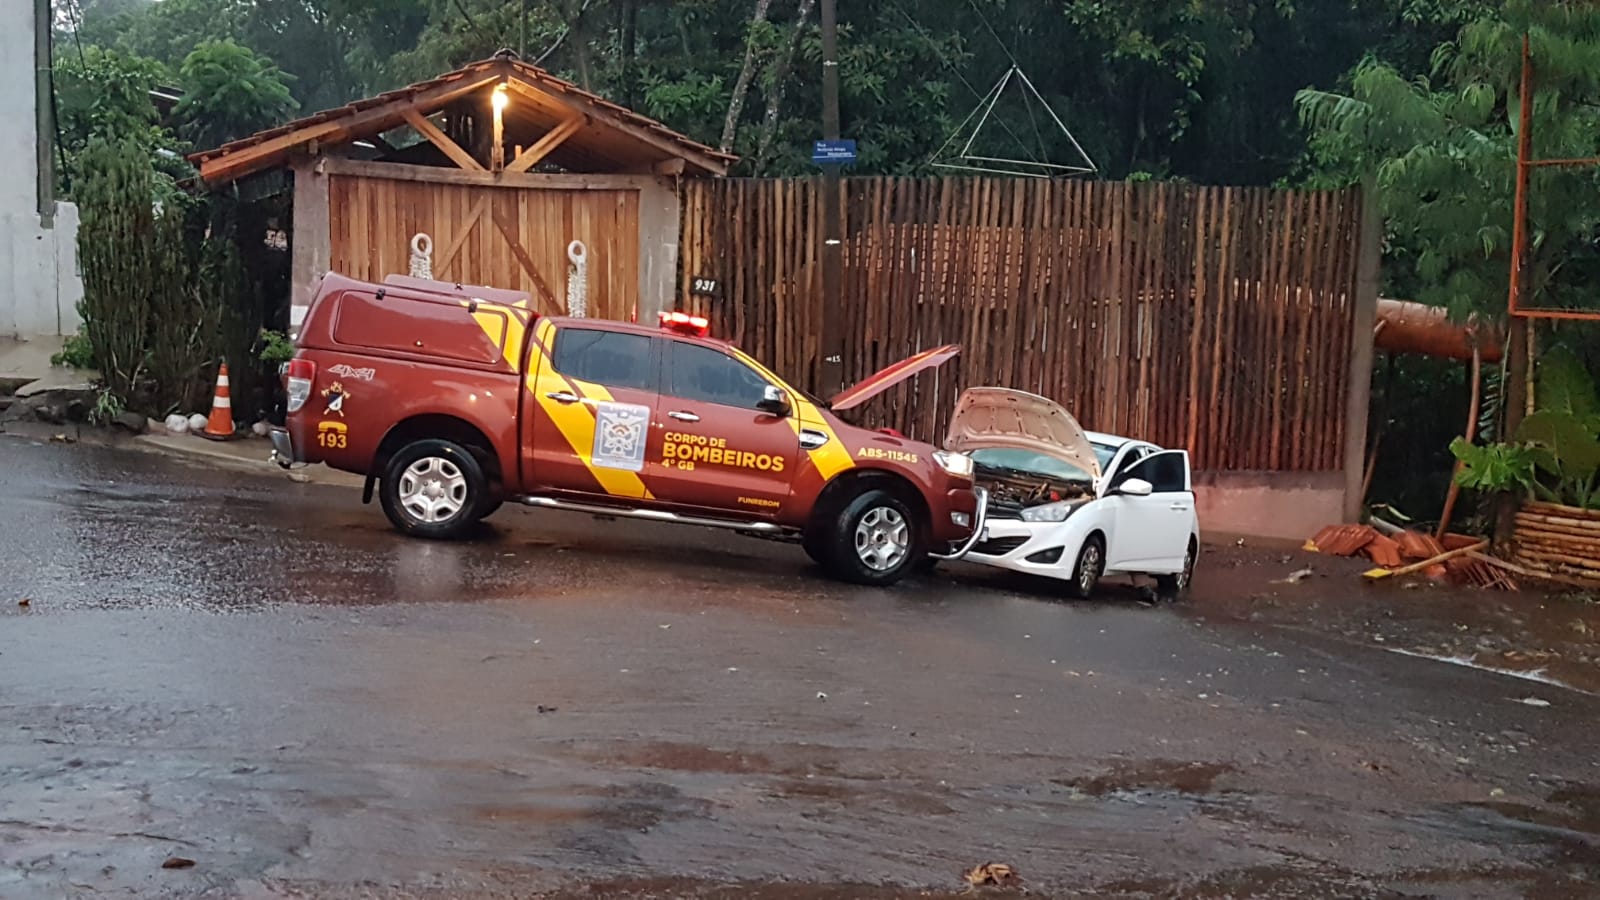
[{"x": 833, "y": 152}]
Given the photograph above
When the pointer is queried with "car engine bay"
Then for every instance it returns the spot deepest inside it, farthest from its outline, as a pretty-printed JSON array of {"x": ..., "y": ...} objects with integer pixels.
[{"x": 1013, "y": 490}]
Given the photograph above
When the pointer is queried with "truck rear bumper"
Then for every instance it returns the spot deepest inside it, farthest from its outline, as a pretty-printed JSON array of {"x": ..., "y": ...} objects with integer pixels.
[{"x": 283, "y": 448}]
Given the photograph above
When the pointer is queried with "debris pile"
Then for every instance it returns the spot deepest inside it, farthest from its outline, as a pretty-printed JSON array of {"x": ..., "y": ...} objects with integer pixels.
[{"x": 1454, "y": 558}]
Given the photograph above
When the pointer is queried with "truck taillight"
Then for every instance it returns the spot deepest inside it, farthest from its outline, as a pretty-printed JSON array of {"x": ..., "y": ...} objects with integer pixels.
[{"x": 297, "y": 383}]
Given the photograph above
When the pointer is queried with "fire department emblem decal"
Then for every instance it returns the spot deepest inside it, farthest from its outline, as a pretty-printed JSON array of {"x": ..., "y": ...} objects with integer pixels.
[{"x": 619, "y": 435}]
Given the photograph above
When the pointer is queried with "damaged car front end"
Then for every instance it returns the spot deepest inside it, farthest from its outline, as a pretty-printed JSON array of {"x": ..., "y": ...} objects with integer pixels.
[
  {"x": 1037, "y": 466},
  {"x": 1070, "y": 505}
]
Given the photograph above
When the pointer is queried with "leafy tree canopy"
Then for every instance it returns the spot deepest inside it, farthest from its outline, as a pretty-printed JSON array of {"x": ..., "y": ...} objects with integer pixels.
[
  {"x": 230, "y": 92},
  {"x": 1442, "y": 148}
]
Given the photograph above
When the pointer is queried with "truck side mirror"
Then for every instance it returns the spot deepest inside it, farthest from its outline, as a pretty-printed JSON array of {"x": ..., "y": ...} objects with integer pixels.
[{"x": 774, "y": 402}]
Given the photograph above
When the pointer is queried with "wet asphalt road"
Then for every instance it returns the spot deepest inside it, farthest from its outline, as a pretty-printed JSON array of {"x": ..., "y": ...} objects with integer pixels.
[{"x": 259, "y": 676}]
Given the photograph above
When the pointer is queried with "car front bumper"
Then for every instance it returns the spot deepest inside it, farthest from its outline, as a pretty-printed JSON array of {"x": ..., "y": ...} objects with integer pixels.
[{"x": 1009, "y": 544}]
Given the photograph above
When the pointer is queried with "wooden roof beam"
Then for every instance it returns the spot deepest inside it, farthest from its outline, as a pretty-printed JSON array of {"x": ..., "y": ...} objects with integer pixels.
[
  {"x": 552, "y": 139},
  {"x": 224, "y": 168},
  {"x": 665, "y": 146},
  {"x": 441, "y": 140}
]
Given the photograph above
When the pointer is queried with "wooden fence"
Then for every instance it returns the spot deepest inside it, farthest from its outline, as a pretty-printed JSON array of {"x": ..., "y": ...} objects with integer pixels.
[{"x": 1216, "y": 319}]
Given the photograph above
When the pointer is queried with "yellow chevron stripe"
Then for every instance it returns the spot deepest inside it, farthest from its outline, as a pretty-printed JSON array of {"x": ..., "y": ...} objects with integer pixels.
[
  {"x": 505, "y": 325},
  {"x": 831, "y": 458},
  {"x": 576, "y": 422}
]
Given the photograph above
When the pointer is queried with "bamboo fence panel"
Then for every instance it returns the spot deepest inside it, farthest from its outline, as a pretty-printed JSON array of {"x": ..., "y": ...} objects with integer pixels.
[
  {"x": 1557, "y": 540},
  {"x": 1214, "y": 319}
]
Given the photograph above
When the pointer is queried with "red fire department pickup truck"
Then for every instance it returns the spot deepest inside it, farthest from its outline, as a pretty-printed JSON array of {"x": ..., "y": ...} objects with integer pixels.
[{"x": 451, "y": 400}]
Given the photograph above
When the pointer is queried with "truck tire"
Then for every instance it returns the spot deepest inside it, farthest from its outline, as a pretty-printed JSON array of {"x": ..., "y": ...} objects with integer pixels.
[
  {"x": 433, "y": 489},
  {"x": 874, "y": 539},
  {"x": 815, "y": 542}
]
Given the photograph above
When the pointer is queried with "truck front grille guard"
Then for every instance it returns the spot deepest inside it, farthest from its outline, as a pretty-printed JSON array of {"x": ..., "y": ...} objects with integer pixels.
[{"x": 979, "y": 521}]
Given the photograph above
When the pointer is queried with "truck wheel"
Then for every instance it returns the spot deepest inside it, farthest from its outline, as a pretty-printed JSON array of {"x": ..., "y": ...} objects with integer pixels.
[
  {"x": 489, "y": 508},
  {"x": 873, "y": 540},
  {"x": 1091, "y": 565},
  {"x": 815, "y": 542},
  {"x": 433, "y": 489}
]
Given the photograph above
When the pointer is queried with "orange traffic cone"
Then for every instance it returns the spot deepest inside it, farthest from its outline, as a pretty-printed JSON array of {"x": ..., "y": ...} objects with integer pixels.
[{"x": 220, "y": 426}]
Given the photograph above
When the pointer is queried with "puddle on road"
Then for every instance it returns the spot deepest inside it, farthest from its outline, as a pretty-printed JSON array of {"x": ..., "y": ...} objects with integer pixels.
[
  {"x": 1539, "y": 675},
  {"x": 1566, "y": 829},
  {"x": 1156, "y": 774}
]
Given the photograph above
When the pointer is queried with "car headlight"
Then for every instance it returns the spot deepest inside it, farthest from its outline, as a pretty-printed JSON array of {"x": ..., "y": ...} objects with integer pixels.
[
  {"x": 1049, "y": 512},
  {"x": 956, "y": 464}
]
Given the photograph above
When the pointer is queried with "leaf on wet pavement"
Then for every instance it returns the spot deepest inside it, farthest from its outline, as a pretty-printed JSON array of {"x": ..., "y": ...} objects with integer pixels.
[
  {"x": 178, "y": 862},
  {"x": 1532, "y": 701},
  {"x": 992, "y": 874}
]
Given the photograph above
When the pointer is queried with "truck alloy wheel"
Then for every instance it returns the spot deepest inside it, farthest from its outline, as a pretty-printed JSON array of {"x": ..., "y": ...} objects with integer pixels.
[
  {"x": 433, "y": 489},
  {"x": 883, "y": 539},
  {"x": 873, "y": 540}
]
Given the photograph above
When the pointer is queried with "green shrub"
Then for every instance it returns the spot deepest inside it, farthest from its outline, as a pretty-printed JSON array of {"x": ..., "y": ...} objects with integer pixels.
[
  {"x": 275, "y": 347},
  {"x": 116, "y": 201},
  {"x": 76, "y": 353}
]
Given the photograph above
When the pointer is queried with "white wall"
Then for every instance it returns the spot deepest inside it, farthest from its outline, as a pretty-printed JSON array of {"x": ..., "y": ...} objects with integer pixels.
[{"x": 39, "y": 286}]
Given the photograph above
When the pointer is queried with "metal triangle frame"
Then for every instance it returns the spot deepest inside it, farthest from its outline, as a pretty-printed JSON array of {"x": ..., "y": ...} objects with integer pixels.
[{"x": 1030, "y": 167}]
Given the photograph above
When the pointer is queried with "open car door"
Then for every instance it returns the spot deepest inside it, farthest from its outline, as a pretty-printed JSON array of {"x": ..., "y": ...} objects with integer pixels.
[{"x": 1152, "y": 531}]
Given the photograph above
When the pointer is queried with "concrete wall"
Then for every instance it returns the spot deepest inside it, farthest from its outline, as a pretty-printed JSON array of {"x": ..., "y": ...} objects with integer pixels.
[
  {"x": 1290, "y": 506},
  {"x": 39, "y": 283},
  {"x": 660, "y": 219},
  {"x": 39, "y": 286}
]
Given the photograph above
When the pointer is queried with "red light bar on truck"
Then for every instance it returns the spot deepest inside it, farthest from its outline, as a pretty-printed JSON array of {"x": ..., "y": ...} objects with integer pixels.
[{"x": 683, "y": 323}]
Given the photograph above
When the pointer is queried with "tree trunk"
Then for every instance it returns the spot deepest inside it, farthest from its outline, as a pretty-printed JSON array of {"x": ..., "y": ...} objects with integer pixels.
[
  {"x": 630, "y": 40},
  {"x": 580, "y": 43},
  {"x": 746, "y": 71},
  {"x": 780, "y": 74}
]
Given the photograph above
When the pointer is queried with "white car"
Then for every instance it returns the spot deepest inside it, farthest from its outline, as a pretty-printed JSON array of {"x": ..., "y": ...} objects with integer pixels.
[{"x": 1073, "y": 505}]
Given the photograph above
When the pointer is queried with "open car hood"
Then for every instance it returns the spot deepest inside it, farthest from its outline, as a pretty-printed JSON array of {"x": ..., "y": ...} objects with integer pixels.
[
  {"x": 886, "y": 378},
  {"x": 1000, "y": 417}
]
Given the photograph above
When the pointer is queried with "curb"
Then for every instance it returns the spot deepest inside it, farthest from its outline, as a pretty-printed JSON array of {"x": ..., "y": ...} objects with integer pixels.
[{"x": 212, "y": 454}]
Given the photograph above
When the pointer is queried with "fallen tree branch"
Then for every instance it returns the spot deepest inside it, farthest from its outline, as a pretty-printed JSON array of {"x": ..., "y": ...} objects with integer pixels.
[{"x": 1419, "y": 566}]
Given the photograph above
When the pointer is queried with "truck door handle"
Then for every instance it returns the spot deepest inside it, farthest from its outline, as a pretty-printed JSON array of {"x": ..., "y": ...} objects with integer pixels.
[
  {"x": 684, "y": 416},
  {"x": 563, "y": 396},
  {"x": 1180, "y": 507}
]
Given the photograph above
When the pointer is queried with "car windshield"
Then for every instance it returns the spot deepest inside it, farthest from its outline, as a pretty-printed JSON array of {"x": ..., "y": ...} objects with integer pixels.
[
  {"x": 1103, "y": 453},
  {"x": 1029, "y": 462}
]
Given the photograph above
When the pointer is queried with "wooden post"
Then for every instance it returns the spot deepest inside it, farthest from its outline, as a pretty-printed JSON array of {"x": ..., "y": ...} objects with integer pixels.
[
  {"x": 832, "y": 362},
  {"x": 1472, "y": 432},
  {"x": 1364, "y": 311},
  {"x": 497, "y": 153},
  {"x": 44, "y": 138},
  {"x": 312, "y": 243},
  {"x": 1514, "y": 391}
]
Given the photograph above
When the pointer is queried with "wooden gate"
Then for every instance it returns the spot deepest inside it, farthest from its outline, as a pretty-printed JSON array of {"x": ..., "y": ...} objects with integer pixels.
[{"x": 511, "y": 237}]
